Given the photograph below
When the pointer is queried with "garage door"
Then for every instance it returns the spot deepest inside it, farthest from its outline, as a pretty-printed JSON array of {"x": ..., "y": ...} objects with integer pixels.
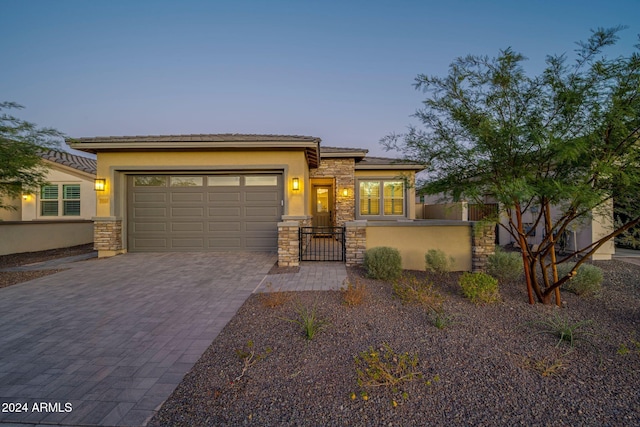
[{"x": 204, "y": 212}]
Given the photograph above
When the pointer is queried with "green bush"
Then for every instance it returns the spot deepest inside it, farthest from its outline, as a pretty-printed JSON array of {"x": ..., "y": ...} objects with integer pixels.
[
  {"x": 436, "y": 260},
  {"x": 505, "y": 266},
  {"x": 479, "y": 288},
  {"x": 383, "y": 263},
  {"x": 587, "y": 281}
]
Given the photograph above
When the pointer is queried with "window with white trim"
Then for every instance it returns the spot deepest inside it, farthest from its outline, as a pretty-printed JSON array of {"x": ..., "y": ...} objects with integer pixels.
[
  {"x": 54, "y": 202},
  {"x": 380, "y": 199}
]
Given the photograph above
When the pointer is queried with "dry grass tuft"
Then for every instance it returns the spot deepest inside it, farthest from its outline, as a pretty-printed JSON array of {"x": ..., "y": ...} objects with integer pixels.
[{"x": 354, "y": 294}]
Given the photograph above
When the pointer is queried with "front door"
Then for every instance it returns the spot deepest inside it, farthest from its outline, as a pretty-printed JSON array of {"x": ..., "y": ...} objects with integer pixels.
[{"x": 322, "y": 206}]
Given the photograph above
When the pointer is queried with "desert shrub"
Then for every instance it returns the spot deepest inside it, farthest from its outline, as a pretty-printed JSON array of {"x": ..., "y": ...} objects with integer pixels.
[
  {"x": 479, "y": 288},
  {"x": 505, "y": 266},
  {"x": 587, "y": 281},
  {"x": 271, "y": 298},
  {"x": 383, "y": 263},
  {"x": 309, "y": 321},
  {"x": 354, "y": 294},
  {"x": 565, "y": 329},
  {"x": 411, "y": 290},
  {"x": 436, "y": 260}
]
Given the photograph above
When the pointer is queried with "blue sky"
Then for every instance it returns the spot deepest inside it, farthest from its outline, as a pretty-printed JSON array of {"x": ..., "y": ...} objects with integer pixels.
[{"x": 338, "y": 70}]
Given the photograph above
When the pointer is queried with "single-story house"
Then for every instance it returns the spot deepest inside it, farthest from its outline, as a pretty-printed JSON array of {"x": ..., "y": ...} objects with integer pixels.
[
  {"x": 59, "y": 214},
  {"x": 69, "y": 194},
  {"x": 226, "y": 192}
]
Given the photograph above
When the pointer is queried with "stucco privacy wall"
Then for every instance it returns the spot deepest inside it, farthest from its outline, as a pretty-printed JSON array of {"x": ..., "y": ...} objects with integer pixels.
[
  {"x": 414, "y": 239},
  {"x": 32, "y": 236}
]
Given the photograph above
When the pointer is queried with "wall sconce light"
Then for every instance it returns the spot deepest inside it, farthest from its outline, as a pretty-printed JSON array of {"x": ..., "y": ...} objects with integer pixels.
[
  {"x": 25, "y": 197},
  {"x": 345, "y": 192},
  {"x": 99, "y": 184},
  {"x": 295, "y": 184}
]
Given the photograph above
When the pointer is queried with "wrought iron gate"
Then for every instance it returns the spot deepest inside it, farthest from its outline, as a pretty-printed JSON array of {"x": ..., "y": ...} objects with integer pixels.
[{"x": 322, "y": 244}]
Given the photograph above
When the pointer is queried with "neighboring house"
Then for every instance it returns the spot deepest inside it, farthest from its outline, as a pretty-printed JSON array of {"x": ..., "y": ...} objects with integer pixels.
[
  {"x": 69, "y": 194},
  {"x": 228, "y": 192},
  {"x": 59, "y": 214},
  {"x": 582, "y": 235}
]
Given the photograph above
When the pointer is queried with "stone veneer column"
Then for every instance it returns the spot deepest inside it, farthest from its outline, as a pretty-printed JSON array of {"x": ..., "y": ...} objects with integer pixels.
[
  {"x": 483, "y": 238},
  {"x": 342, "y": 170},
  {"x": 107, "y": 236},
  {"x": 355, "y": 242},
  {"x": 288, "y": 244}
]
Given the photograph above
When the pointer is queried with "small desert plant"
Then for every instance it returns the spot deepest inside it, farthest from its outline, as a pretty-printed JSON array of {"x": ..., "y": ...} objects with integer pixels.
[
  {"x": 383, "y": 263},
  {"x": 436, "y": 260},
  {"x": 309, "y": 321},
  {"x": 564, "y": 329},
  {"x": 545, "y": 367},
  {"x": 384, "y": 367},
  {"x": 249, "y": 357},
  {"x": 632, "y": 346},
  {"x": 440, "y": 319},
  {"x": 505, "y": 266},
  {"x": 479, "y": 288},
  {"x": 354, "y": 294},
  {"x": 587, "y": 281},
  {"x": 272, "y": 298},
  {"x": 411, "y": 290}
]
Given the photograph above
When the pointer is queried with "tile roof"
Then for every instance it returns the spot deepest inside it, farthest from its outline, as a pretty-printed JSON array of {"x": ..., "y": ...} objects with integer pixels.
[
  {"x": 74, "y": 161},
  {"x": 330, "y": 150},
  {"x": 387, "y": 161},
  {"x": 220, "y": 137}
]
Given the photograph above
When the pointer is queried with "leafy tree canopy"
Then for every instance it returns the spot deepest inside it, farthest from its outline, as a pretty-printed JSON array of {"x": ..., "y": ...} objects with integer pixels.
[
  {"x": 21, "y": 143},
  {"x": 566, "y": 137}
]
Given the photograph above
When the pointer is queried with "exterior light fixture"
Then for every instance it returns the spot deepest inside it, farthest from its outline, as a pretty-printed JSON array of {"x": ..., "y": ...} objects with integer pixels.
[
  {"x": 99, "y": 184},
  {"x": 295, "y": 184},
  {"x": 25, "y": 197},
  {"x": 345, "y": 192}
]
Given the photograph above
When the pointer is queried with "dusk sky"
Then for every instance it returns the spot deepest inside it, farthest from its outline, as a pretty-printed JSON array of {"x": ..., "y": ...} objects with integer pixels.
[{"x": 339, "y": 70}]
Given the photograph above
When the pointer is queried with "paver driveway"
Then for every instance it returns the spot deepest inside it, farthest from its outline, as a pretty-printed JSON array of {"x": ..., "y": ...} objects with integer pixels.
[{"x": 107, "y": 341}]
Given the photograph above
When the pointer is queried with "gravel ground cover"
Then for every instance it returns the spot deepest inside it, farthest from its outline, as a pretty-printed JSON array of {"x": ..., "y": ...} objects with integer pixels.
[
  {"x": 490, "y": 365},
  {"x": 8, "y": 278}
]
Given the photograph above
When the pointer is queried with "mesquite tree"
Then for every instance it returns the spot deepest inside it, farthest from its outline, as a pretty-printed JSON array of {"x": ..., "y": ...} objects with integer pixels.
[
  {"x": 21, "y": 144},
  {"x": 567, "y": 138}
]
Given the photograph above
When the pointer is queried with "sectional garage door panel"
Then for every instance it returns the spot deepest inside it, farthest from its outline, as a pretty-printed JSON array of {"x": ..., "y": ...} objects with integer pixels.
[{"x": 204, "y": 212}]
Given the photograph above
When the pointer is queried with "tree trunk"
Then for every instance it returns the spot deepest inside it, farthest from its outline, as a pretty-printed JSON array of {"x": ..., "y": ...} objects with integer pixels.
[
  {"x": 525, "y": 258},
  {"x": 554, "y": 267}
]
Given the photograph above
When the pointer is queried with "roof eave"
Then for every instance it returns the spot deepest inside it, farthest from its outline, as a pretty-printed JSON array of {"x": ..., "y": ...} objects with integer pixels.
[
  {"x": 311, "y": 147},
  {"x": 390, "y": 167}
]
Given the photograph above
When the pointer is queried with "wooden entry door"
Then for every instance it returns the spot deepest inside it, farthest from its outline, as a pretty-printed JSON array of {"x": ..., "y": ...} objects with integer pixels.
[{"x": 322, "y": 205}]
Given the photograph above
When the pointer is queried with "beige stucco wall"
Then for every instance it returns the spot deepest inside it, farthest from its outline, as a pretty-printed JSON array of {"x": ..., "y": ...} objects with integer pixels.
[
  {"x": 414, "y": 239},
  {"x": 115, "y": 166},
  {"x": 393, "y": 174},
  {"x": 18, "y": 237},
  {"x": 11, "y": 214}
]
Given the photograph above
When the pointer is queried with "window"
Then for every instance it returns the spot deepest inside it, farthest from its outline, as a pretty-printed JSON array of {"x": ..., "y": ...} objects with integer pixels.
[
  {"x": 185, "y": 181},
  {"x": 261, "y": 181},
  {"x": 369, "y": 198},
  {"x": 223, "y": 181},
  {"x": 150, "y": 181},
  {"x": 386, "y": 203},
  {"x": 51, "y": 204},
  {"x": 49, "y": 200}
]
